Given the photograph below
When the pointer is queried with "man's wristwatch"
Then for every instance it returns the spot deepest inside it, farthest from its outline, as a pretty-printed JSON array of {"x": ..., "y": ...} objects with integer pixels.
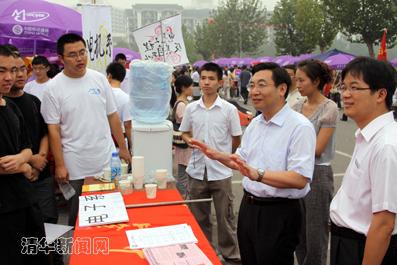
[{"x": 261, "y": 173}]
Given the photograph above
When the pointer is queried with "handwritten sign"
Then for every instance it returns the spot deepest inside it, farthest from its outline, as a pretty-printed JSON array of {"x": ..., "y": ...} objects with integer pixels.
[
  {"x": 102, "y": 209},
  {"x": 162, "y": 41},
  {"x": 97, "y": 32}
]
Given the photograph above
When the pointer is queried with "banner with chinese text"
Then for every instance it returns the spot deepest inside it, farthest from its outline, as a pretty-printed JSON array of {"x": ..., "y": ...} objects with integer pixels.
[
  {"x": 162, "y": 41},
  {"x": 97, "y": 32}
]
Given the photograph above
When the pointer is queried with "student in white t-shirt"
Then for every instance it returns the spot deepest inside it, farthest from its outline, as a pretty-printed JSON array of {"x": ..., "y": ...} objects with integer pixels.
[
  {"x": 79, "y": 108},
  {"x": 40, "y": 66},
  {"x": 122, "y": 59},
  {"x": 115, "y": 75}
]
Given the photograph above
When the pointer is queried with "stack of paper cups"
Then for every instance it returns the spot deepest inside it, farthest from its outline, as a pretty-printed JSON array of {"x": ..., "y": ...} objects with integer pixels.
[
  {"x": 161, "y": 178},
  {"x": 138, "y": 171}
]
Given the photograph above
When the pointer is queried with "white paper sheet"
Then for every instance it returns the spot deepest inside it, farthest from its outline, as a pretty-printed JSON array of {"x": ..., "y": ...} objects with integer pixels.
[
  {"x": 160, "y": 236},
  {"x": 54, "y": 231},
  {"x": 102, "y": 209}
]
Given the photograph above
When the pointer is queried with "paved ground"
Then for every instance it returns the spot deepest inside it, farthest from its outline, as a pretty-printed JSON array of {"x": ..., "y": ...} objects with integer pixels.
[{"x": 344, "y": 149}]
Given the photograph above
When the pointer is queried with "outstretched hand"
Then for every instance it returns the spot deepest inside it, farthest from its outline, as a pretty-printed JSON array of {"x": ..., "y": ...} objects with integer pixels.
[
  {"x": 209, "y": 152},
  {"x": 244, "y": 168}
]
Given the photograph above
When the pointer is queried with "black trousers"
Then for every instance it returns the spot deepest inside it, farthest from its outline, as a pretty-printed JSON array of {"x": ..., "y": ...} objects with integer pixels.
[
  {"x": 244, "y": 93},
  {"x": 22, "y": 236},
  {"x": 268, "y": 231},
  {"x": 347, "y": 247}
]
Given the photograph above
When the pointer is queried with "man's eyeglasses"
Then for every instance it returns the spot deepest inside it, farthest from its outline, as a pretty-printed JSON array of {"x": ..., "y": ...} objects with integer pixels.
[
  {"x": 39, "y": 68},
  {"x": 75, "y": 55},
  {"x": 353, "y": 89}
]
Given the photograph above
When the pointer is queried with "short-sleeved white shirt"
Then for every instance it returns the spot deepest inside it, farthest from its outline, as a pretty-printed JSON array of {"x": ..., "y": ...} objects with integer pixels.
[
  {"x": 286, "y": 142},
  {"x": 36, "y": 89},
  {"x": 214, "y": 126},
  {"x": 123, "y": 105},
  {"x": 370, "y": 182},
  {"x": 81, "y": 107}
]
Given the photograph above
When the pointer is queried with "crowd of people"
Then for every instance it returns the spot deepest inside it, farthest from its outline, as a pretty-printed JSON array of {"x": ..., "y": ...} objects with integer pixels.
[{"x": 284, "y": 154}]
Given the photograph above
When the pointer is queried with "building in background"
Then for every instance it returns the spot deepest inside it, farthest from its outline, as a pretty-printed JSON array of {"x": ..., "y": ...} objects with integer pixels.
[{"x": 119, "y": 26}]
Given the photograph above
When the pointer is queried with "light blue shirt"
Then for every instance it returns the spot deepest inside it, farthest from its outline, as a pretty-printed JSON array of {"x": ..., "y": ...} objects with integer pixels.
[{"x": 285, "y": 143}]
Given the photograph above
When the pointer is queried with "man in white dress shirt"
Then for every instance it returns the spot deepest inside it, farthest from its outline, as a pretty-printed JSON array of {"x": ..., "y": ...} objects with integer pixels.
[
  {"x": 363, "y": 212},
  {"x": 276, "y": 157},
  {"x": 215, "y": 121}
]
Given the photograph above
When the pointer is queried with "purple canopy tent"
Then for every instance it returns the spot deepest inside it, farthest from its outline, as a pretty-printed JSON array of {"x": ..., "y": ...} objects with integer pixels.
[
  {"x": 246, "y": 61},
  {"x": 222, "y": 61},
  {"x": 199, "y": 63},
  {"x": 284, "y": 60},
  {"x": 264, "y": 59},
  {"x": 338, "y": 61},
  {"x": 131, "y": 55},
  {"x": 34, "y": 26}
]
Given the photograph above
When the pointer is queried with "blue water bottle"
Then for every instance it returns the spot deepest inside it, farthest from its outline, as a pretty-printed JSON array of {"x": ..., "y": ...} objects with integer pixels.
[{"x": 115, "y": 166}]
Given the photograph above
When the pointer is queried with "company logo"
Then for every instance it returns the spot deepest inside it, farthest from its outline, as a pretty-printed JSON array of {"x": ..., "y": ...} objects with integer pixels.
[
  {"x": 17, "y": 29},
  {"x": 94, "y": 91},
  {"x": 23, "y": 16}
]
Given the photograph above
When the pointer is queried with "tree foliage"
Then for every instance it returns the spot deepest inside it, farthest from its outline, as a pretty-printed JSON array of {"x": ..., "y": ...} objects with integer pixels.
[
  {"x": 237, "y": 26},
  {"x": 301, "y": 26},
  {"x": 362, "y": 21},
  {"x": 190, "y": 45}
]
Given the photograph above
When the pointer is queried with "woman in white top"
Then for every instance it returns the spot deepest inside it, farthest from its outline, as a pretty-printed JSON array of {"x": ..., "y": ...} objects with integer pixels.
[
  {"x": 184, "y": 89},
  {"x": 311, "y": 77}
]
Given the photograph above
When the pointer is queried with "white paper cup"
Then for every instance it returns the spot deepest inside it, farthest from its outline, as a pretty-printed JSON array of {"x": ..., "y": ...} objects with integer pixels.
[
  {"x": 125, "y": 187},
  {"x": 161, "y": 178},
  {"x": 107, "y": 174},
  {"x": 138, "y": 182},
  {"x": 151, "y": 190},
  {"x": 124, "y": 169}
]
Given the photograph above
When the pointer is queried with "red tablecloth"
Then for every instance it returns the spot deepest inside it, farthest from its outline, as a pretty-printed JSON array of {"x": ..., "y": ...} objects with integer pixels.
[{"x": 119, "y": 252}]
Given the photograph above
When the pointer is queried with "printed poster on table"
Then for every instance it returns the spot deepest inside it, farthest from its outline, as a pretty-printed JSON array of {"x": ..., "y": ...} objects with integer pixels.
[
  {"x": 162, "y": 41},
  {"x": 97, "y": 32}
]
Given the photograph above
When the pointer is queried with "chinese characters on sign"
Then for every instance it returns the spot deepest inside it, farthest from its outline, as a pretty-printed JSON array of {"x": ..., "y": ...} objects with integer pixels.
[
  {"x": 97, "y": 32},
  {"x": 66, "y": 245},
  {"x": 162, "y": 41},
  {"x": 102, "y": 209}
]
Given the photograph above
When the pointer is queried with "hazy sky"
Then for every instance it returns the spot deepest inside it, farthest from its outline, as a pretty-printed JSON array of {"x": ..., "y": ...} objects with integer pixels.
[{"x": 269, "y": 4}]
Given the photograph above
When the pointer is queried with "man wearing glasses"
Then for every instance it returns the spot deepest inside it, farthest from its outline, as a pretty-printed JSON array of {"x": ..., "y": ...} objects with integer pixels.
[
  {"x": 81, "y": 114},
  {"x": 276, "y": 158},
  {"x": 363, "y": 212},
  {"x": 40, "y": 66}
]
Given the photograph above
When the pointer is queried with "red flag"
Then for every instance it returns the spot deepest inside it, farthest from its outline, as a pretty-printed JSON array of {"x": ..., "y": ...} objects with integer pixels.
[{"x": 382, "y": 55}]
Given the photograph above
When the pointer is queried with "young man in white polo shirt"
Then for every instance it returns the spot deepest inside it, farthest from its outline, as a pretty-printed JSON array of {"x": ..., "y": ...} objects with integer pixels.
[
  {"x": 79, "y": 108},
  {"x": 363, "y": 212},
  {"x": 276, "y": 158},
  {"x": 216, "y": 122}
]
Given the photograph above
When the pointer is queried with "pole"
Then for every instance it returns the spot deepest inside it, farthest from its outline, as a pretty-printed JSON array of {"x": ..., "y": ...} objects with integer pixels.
[{"x": 154, "y": 204}]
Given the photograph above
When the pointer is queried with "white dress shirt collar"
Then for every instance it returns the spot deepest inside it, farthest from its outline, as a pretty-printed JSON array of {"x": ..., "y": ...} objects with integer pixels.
[
  {"x": 217, "y": 103},
  {"x": 279, "y": 118},
  {"x": 374, "y": 126}
]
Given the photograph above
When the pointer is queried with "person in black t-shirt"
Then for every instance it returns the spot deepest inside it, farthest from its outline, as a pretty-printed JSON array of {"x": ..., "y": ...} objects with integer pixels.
[
  {"x": 42, "y": 181},
  {"x": 18, "y": 218}
]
